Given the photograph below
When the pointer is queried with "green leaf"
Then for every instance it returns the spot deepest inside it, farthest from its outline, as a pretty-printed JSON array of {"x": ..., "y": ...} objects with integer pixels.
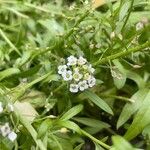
[
  {"x": 92, "y": 122},
  {"x": 70, "y": 125},
  {"x": 78, "y": 147},
  {"x": 72, "y": 112},
  {"x": 28, "y": 73},
  {"x": 141, "y": 119},
  {"x": 146, "y": 131},
  {"x": 8, "y": 72},
  {"x": 120, "y": 143},
  {"x": 130, "y": 108},
  {"x": 136, "y": 78},
  {"x": 45, "y": 125},
  {"x": 121, "y": 72},
  {"x": 98, "y": 147},
  {"x": 98, "y": 101},
  {"x": 124, "y": 10}
]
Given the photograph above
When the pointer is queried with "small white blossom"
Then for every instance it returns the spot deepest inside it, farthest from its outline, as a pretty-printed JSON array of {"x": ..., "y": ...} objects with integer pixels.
[
  {"x": 52, "y": 116},
  {"x": 76, "y": 69},
  {"x": 120, "y": 36},
  {"x": 5, "y": 129},
  {"x": 78, "y": 72},
  {"x": 62, "y": 69},
  {"x": 91, "y": 46},
  {"x": 91, "y": 69},
  {"x": 77, "y": 76},
  {"x": 81, "y": 60},
  {"x": 83, "y": 85},
  {"x": 85, "y": 67},
  {"x": 86, "y": 2},
  {"x": 12, "y": 136},
  {"x": 92, "y": 82},
  {"x": 73, "y": 88},
  {"x": 112, "y": 35},
  {"x": 67, "y": 76},
  {"x": 72, "y": 61},
  {"x": 63, "y": 130},
  {"x": 10, "y": 107},
  {"x": 139, "y": 26},
  {"x": 1, "y": 107}
]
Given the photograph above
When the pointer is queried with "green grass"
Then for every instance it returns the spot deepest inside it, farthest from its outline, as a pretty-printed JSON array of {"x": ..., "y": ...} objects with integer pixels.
[{"x": 38, "y": 36}]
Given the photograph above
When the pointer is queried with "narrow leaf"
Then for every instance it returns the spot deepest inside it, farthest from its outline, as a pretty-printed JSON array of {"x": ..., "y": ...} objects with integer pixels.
[
  {"x": 130, "y": 108},
  {"x": 72, "y": 112},
  {"x": 45, "y": 125},
  {"x": 70, "y": 125},
  {"x": 121, "y": 144},
  {"x": 141, "y": 119},
  {"x": 8, "y": 72},
  {"x": 98, "y": 101},
  {"x": 91, "y": 122}
]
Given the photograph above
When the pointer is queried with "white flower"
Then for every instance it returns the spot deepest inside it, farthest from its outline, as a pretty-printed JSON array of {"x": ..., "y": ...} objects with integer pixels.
[
  {"x": 10, "y": 107},
  {"x": 52, "y": 116},
  {"x": 1, "y": 107},
  {"x": 87, "y": 76},
  {"x": 62, "y": 69},
  {"x": 76, "y": 69},
  {"x": 67, "y": 75},
  {"x": 91, "y": 69},
  {"x": 74, "y": 88},
  {"x": 5, "y": 129},
  {"x": 83, "y": 85},
  {"x": 77, "y": 76},
  {"x": 72, "y": 61},
  {"x": 12, "y": 136},
  {"x": 81, "y": 60},
  {"x": 85, "y": 67},
  {"x": 139, "y": 26},
  {"x": 63, "y": 130},
  {"x": 91, "y": 82},
  {"x": 112, "y": 35}
]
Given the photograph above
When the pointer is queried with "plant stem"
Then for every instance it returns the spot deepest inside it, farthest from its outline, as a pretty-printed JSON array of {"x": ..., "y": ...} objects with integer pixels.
[
  {"x": 36, "y": 81},
  {"x": 132, "y": 2},
  {"x": 95, "y": 140},
  {"x": 120, "y": 97},
  {"x": 9, "y": 42},
  {"x": 122, "y": 54}
]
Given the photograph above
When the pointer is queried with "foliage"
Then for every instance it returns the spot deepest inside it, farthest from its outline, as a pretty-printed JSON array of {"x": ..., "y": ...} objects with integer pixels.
[{"x": 37, "y": 36}]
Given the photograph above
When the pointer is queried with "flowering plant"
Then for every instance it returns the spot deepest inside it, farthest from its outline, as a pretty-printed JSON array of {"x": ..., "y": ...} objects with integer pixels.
[
  {"x": 99, "y": 50},
  {"x": 78, "y": 73},
  {"x": 5, "y": 129}
]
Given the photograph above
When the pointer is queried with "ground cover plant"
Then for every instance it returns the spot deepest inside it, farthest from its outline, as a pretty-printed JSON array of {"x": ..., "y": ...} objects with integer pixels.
[{"x": 74, "y": 75}]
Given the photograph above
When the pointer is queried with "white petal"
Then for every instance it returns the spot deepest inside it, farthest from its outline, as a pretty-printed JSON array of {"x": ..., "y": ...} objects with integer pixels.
[
  {"x": 12, "y": 136},
  {"x": 1, "y": 108},
  {"x": 10, "y": 107},
  {"x": 5, "y": 129},
  {"x": 73, "y": 88}
]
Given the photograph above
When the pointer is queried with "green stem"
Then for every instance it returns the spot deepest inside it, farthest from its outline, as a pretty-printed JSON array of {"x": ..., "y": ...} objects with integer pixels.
[
  {"x": 95, "y": 140},
  {"x": 122, "y": 54},
  {"x": 120, "y": 97},
  {"x": 36, "y": 81},
  {"x": 9, "y": 42},
  {"x": 132, "y": 2},
  {"x": 61, "y": 86}
]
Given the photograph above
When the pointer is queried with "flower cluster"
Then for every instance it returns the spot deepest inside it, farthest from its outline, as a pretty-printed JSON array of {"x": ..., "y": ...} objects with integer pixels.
[
  {"x": 78, "y": 72},
  {"x": 5, "y": 131}
]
